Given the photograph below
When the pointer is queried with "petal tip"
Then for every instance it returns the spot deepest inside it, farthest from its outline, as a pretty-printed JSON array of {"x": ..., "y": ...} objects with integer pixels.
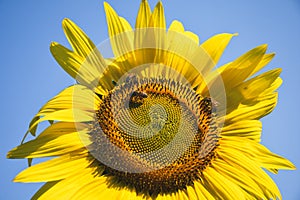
[{"x": 66, "y": 21}]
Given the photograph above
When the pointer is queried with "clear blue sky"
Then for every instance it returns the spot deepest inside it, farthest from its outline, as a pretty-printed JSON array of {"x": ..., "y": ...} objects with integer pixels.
[{"x": 30, "y": 76}]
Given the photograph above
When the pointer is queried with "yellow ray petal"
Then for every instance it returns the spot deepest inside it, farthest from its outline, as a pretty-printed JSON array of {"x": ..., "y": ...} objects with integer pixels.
[
  {"x": 273, "y": 87},
  {"x": 222, "y": 187},
  {"x": 142, "y": 22},
  {"x": 67, "y": 59},
  {"x": 216, "y": 45},
  {"x": 80, "y": 69},
  {"x": 257, "y": 85},
  {"x": 58, "y": 139},
  {"x": 67, "y": 115},
  {"x": 120, "y": 33},
  {"x": 202, "y": 192},
  {"x": 264, "y": 61},
  {"x": 250, "y": 129},
  {"x": 177, "y": 26},
  {"x": 80, "y": 42},
  {"x": 103, "y": 188},
  {"x": 144, "y": 14},
  {"x": 263, "y": 107},
  {"x": 43, "y": 189},
  {"x": 55, "y": 169},
  {"x": 182, "y": 195},
  {"x": 191, "y": 192},
  {"x": 242, "y": 67},
  {"x": 179, "y": 55},
  {"x": 66, "y": 188},
  {"x": 258, "y": 152},
  {"x": 248, "y": 92},
  {"x": 157, "y": 19},
  {"x": 239, "y": 178},
  {"x": 74, "y": 97},
  {"x": 243, "y": 162}
]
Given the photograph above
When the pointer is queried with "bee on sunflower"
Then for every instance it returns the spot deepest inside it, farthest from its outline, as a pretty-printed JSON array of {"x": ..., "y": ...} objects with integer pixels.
[{"x": 157, "y": 120}]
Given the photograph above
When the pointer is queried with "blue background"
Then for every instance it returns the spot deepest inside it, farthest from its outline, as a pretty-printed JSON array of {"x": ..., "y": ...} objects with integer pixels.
[{"x": 30, "y": 76}]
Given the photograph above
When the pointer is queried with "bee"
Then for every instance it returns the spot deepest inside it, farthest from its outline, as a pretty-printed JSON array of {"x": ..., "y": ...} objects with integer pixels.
[{"x": 137, "y": 99}]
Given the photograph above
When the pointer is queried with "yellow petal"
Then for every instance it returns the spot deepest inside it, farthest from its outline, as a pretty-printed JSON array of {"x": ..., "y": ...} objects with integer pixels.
[
  {"x": 202, "y": 192},
  {"x": 55, "y": 169},
  {"x": 68, "y": 187},
  {"x": 144, "y": 14},
  {"x": 80, "y": 69},
  {"x": 142, "y": 22},
  {"x": 244, "y": 163},
  {"x": 179, "y": 54},
  {"x": 222, "y": 187},
  {"x": 216, "y": 45},
  {"x": 58, "y": 139},
  {"x": 76, "y": 96},
  {"x": 157, "y": 19},
  {"x": 255, "y": 86},
  {"x": 43, "y": 189},
  {"x": 120, "y": 33},
  {"x": 79, "y": 41},
  {"x": 264, "y": 106},
  {"x": 238, "y": 177},
  {"x": 258, "y": 152},
  {"x": 273, "y": 87},
  {"x": 250, "y": 129},
  {"x": 248, "y": 92},
  {"x": 241, "y": 68},
  {"x": 191, "y": 192},
  {"x": 264, "y": 61},
  {"x": 67, "y": 59},
  {"x": 177, "y": 26},
  {"x": 67, "y": 115}
]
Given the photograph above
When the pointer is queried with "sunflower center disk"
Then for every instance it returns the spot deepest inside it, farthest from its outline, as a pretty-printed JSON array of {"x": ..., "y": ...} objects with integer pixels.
[{"x": 154, "y": 134}]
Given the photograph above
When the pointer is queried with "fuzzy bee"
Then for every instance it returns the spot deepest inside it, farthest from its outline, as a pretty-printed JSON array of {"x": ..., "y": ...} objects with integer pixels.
[{"x": 137, "y": 99}]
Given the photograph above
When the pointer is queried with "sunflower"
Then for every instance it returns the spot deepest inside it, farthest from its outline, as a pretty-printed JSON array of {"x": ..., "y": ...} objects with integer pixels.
[{"x": 156, "y": 120}]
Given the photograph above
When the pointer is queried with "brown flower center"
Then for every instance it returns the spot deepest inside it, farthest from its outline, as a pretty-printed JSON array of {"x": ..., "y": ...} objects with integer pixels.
[{"x": 154, "y": 134}]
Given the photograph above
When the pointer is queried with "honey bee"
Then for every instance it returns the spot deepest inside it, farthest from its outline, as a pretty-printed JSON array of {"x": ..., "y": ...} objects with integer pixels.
[{"x": 137, "y": 99}]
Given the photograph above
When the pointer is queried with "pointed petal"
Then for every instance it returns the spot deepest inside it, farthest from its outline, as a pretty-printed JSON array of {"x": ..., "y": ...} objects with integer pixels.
[
  {"x": 144, "y": 14},
  {"x": 66, "y": 188},
  {"x": 120, "y": 33},
  {"x": 258, "y": 152},
  {"x": 264, "y": 106},
  {"x": 243, "y": 162},
  {"x": 55, "y": 169},
  {"x": 79, "y": 41},
  {"x": 58, "y": 139},
  {"x": 216, "y": 45},
  {"x": 76, "y": 97},
  {"x": 241, "y": 68},
  {"x": 80, "y": 69},
  {"x": 202, "y": 192},
  {"x": 142, "y": 22},
  {"x": 43, "y": 189},
  {"x": 157, "y": 19},
  {"x": 222, "y": 187},
  {"x": 250, "y": 129},
  {"x": 238, "y": 177},
  {"x": 257, "y": 85},
  {"x": 264, "y": 61},
  {"x": 176, "y": 26}
]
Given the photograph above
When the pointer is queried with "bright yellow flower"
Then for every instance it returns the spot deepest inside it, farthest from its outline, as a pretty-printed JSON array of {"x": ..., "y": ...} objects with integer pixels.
[{"x": 157, "y": 120}]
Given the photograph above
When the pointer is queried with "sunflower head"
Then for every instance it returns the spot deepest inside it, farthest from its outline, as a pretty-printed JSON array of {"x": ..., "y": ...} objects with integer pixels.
[{"x": 156, "y": 119}]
